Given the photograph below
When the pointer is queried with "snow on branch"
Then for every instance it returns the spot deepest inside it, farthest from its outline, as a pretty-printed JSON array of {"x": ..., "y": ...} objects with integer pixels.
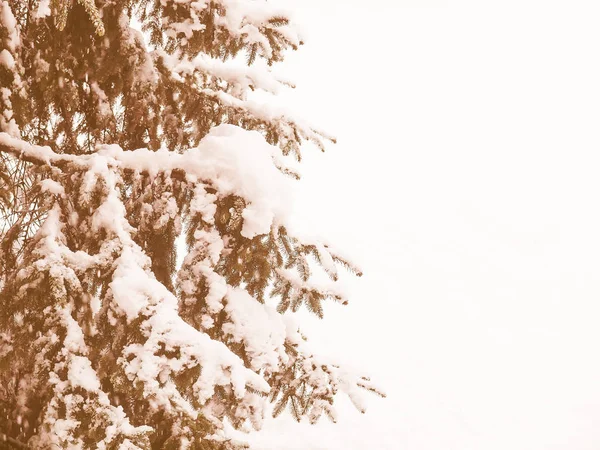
[
  {"x": 73, "y": 385},
  {"x": 240, "y": 77},
  {"x": 288, "y": 127},
  {"x": 263, "y": 27},
  {"x": 9, "y": 61},
  {"x": 277, "y": 122},
  {"x": 173, "y": 347},
  {"x": 135, "y": 293},
  {"x": 258, "y": 327},
  {"x": 294, "y": 291},
  {"x": 230, "y": 159},
  {"x": 309, "y": 383},
  {"x": 76, "y": 390}
]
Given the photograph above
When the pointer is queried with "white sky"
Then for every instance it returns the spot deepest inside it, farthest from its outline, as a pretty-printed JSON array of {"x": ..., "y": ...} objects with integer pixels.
[{"x": 465, "y": 182}]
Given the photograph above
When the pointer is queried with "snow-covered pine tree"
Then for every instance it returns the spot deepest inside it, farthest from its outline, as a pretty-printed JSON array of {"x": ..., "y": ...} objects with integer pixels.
[{"x": 112, "y": 147}]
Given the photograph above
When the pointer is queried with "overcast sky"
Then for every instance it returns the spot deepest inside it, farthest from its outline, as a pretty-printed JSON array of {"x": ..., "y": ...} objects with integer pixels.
[{"x": 465, "y": 182}]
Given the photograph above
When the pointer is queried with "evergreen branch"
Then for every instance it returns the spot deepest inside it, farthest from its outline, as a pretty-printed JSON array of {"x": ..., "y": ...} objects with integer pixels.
[
  {"x": 241, "y": 78},
  {"x": 111, "y": 330},
  {"x": 45, "y": 156}
]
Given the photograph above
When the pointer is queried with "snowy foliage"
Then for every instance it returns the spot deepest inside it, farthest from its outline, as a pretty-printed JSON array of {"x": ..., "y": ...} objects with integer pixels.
[{"x": 111, "y": 149}]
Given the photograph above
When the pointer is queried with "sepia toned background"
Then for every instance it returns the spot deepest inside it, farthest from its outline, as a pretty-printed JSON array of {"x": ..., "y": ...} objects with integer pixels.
[{"x": 466, "y": 183}]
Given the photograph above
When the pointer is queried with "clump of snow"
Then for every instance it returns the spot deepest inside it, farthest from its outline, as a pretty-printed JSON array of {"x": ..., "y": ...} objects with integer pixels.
[
  {"x": 145, "y": 72},
  {"x": 132, "y": 287},
  {"x": 241, "y": 162},
  {"x": 10, "y": 24},
  {"x": 203, "y": 203},
  {"x": 7, "y": 122},
  {"x": 103, "y": 103},
  {"x": 43, "y": 9},
  {"x": 82, "y": 375},
  {"x": 259, "y": 327},
  {"x": 52, "y": 187},
  {"x": 7, "y": 60},
  {"x": 73, "y": 341}
]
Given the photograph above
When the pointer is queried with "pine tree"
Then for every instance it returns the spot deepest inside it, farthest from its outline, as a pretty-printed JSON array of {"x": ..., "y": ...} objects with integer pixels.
[{"x": 114, "y": 144}]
